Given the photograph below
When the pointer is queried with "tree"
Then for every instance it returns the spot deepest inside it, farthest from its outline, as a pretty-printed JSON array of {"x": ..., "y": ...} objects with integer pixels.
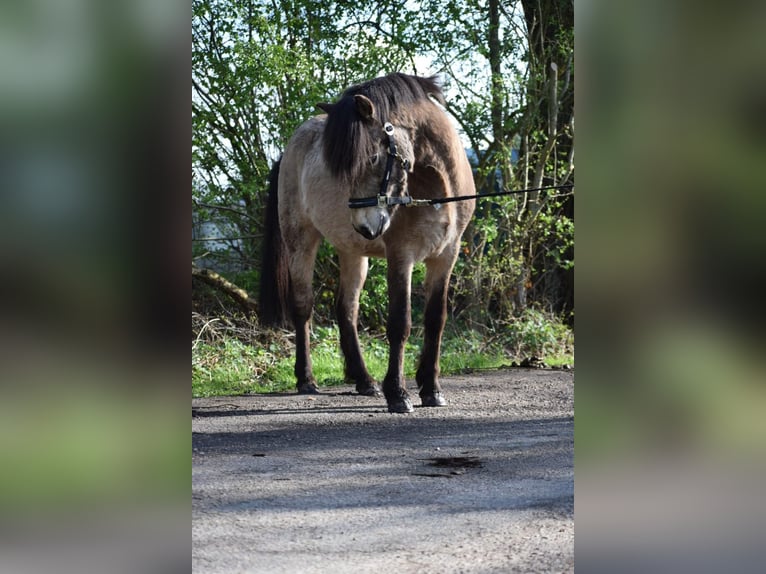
[
  {"x": 549, "y": 144},
  {"x": 510, "y": 70}
]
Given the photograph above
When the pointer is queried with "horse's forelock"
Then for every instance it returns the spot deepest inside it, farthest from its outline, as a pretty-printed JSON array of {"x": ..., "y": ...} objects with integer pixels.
[{"x": 347, "y": 141}]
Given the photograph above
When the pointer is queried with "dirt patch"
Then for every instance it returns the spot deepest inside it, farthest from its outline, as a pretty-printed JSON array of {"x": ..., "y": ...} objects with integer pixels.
[{"x": 334, "y": 483}]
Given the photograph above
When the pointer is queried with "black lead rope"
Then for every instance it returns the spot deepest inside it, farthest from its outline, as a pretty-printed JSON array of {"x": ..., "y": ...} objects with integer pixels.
[
  {"x": 440, "y": 200},
  {"x": 383, "y": 201}
]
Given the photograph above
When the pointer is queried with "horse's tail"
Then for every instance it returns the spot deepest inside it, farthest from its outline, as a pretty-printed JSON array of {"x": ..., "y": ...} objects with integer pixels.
[{"x": 275, "y": 274}]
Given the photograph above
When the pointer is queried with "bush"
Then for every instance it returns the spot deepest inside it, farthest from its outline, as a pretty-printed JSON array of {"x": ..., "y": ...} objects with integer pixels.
[{"x": 537, "y": 334}]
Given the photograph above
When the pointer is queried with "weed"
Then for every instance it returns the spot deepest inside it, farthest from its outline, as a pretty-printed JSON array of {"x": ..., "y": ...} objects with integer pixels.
[
  {"x": 227, "y": 366},
  {"x": 535, "y": 333}
]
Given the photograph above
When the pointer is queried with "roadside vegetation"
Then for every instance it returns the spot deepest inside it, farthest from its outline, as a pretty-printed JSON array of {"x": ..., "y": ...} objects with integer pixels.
[{"x": 233, "y": 355}]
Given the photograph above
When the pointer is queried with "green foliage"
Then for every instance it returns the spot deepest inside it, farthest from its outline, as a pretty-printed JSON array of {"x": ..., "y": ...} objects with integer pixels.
[
  {"x": 373, "y": 302},
  {"x": 328, "y": 361},
  {"x": 469, "y": 350},
  {"x": 535, "y": 334},
  {"x": 230, "y": 368},
  {"x": 248, "y": 279}
]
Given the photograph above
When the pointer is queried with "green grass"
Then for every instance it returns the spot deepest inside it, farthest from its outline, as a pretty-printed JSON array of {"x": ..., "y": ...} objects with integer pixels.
[
  {"x": 234, "y": 368},
  {"x": 466, "y": 351},
  {"x": 559, "y": 361}
]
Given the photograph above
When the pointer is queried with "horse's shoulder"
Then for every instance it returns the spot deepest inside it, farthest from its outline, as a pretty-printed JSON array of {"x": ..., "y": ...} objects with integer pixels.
[{"x": 306, "y": 136}]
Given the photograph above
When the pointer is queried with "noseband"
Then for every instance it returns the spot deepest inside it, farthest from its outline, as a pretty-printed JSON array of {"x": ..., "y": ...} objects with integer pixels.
[{"x": 382, "y": 199}]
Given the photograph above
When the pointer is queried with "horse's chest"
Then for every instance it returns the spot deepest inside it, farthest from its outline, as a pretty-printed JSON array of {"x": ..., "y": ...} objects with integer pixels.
[{"x": 422, "y": 235}]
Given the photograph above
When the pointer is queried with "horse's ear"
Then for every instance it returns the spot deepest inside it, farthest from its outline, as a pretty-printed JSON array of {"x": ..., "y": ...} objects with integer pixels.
[
  {"x": 326, "y": 108},
  {"x": 364, "y": 106}
]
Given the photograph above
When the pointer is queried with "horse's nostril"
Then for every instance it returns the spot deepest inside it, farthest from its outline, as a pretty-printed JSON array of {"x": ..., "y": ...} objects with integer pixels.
[{"x": 366, "y": 232}]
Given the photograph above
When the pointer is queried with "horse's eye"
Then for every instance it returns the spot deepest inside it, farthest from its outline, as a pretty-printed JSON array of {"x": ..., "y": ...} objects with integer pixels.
[{"x": 374, "y": 159}]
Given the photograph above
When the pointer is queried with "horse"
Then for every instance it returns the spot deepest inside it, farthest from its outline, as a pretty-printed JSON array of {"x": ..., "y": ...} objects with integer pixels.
[{"x": 351, "y": 175}]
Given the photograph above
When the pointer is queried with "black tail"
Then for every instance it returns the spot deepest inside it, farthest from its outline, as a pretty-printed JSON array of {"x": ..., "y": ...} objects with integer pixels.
[{"x": 275, "y": 274}]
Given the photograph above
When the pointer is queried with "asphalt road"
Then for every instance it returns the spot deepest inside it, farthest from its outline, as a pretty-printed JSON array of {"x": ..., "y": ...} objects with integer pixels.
[{"x": 334, "y": 483}]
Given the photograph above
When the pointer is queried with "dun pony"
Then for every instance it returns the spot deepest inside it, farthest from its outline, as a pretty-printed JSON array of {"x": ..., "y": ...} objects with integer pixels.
[{"x": 380, "y": 144}]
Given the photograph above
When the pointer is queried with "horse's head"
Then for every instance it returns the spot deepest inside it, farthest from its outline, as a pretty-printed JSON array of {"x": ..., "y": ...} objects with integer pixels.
[{"x": 372, "y": 158}]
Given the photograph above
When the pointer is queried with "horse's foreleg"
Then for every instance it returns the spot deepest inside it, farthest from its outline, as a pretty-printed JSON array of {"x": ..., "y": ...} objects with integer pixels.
[
  {"x": 437, "y": 282},
  {"x": 301, "y": 261},
  {"x": 353, "y": 272},
  {"x": 304, "y": 374},
  {"x": 398, "y": 330}
]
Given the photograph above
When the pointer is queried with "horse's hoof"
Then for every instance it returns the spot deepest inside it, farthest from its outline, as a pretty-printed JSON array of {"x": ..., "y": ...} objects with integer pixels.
[
  {"x": 368, "y": 389},
  {"x": 400, "y": 405},
  {"x": 433, "y": 400},
  {"x": 308, "y": 389}
]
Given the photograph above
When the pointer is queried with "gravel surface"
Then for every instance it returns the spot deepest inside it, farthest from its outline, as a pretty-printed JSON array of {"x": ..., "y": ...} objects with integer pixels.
[{"x": 334, "y": 483}]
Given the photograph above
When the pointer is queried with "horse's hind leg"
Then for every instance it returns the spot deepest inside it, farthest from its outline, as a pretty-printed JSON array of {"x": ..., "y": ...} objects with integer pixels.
[
  {"x": 438, "y": 272},
  {"x": 302, "y": 252},
  {"x": 353, "y": 272}
]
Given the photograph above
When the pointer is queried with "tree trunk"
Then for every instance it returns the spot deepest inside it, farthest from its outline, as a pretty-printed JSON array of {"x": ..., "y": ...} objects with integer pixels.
[{"x": 495, "y": 59}]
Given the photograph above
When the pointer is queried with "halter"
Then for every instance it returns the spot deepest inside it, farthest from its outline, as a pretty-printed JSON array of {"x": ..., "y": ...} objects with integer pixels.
[{"x": 382, "y": 199}]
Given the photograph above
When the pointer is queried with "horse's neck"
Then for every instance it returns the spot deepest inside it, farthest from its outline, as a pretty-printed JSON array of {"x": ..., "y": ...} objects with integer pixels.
[{"x": 438, "y": 142}]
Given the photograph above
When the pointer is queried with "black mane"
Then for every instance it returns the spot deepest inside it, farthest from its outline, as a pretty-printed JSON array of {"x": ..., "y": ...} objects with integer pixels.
[{"x": 347, "y": 142}]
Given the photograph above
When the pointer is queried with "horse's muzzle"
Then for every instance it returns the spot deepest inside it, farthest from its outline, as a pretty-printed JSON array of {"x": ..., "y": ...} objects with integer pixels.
[{"x": 371, "y": 223}]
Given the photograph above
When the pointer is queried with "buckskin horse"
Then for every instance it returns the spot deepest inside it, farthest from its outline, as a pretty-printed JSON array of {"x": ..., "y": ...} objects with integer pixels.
[{"x": 352, "y": 176}]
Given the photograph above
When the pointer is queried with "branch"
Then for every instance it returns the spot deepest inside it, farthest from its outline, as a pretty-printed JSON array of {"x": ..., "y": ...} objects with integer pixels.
[
  {"x": 553, "y": 106},
  {"x": 226, "y": 120},
  {"x": 374, "y": 25},
  {"x": 239, "y": 295},
  {"x": 227, "y": 238},
  {"x": 570, "y": 159},
  {"x": 224, "y": 208}
]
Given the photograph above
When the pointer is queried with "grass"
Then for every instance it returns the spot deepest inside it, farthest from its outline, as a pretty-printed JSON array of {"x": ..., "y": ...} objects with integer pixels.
[{"x": 227, "y": 366}]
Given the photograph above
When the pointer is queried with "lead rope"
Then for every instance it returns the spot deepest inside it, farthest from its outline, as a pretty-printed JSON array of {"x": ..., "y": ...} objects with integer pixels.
[{"x": 436, "y": 203}]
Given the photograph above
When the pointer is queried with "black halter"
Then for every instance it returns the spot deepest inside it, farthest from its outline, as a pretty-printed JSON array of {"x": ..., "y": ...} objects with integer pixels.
[{"x": 382, "y": 199}]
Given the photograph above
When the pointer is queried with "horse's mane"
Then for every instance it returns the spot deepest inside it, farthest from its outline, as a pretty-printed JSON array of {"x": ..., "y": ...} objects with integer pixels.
[{"x": 347, "y": 143}]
